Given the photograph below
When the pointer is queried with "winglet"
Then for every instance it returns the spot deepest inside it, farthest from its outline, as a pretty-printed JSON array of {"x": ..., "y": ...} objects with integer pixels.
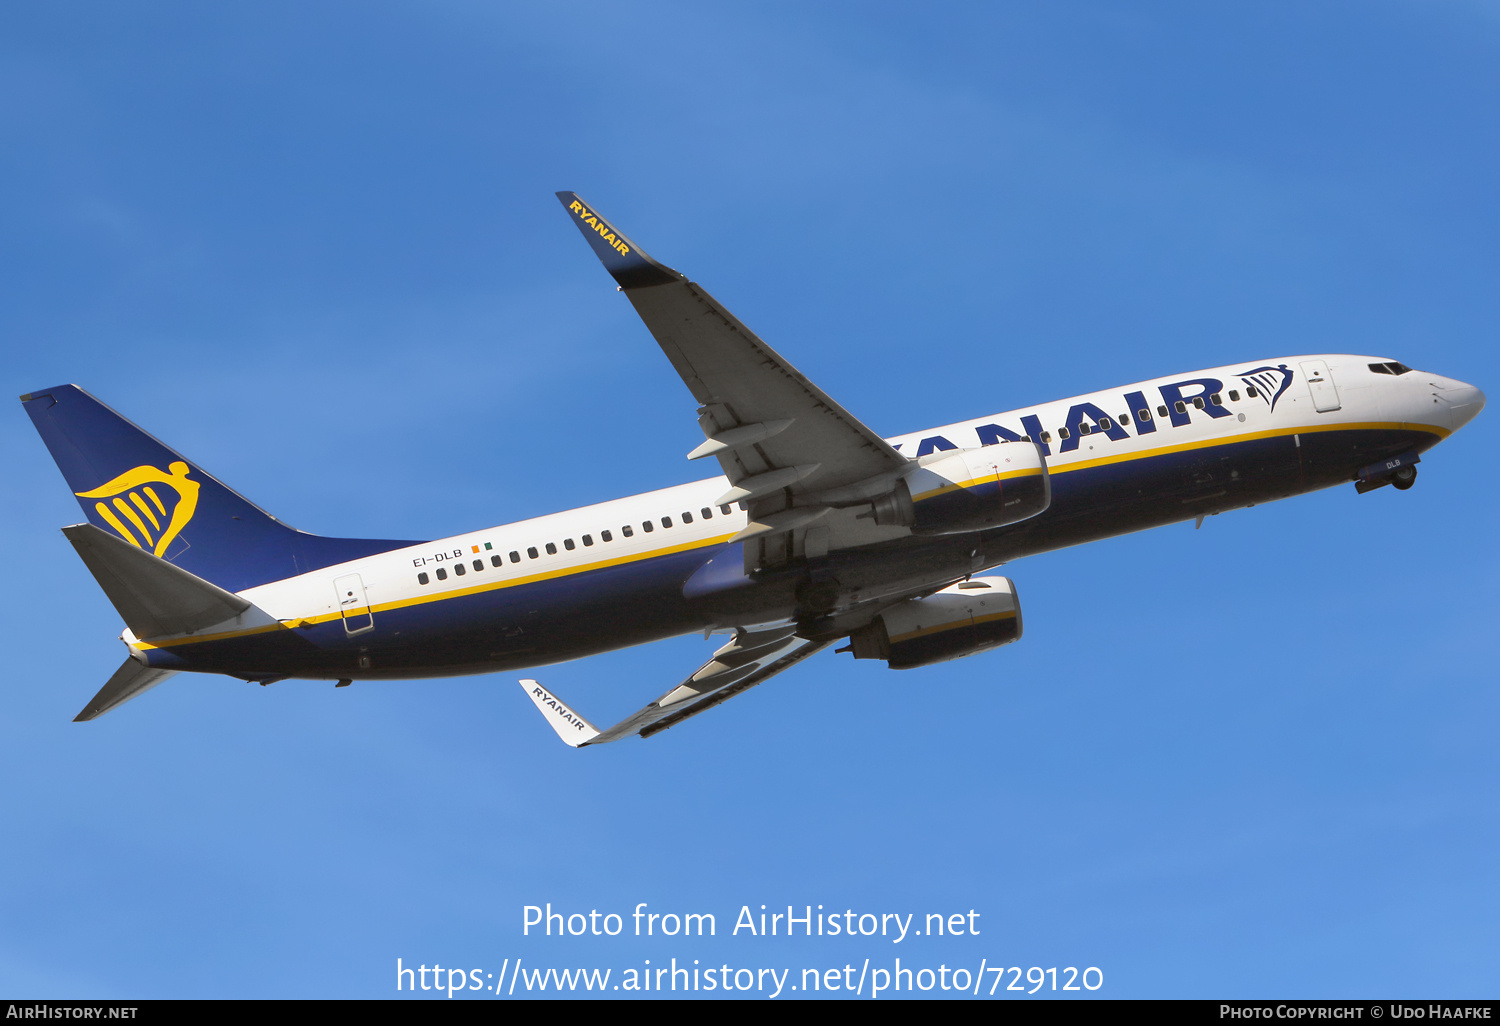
[
  {"x": 570, "y": 726},
  {"x": 623, "y": 259}
]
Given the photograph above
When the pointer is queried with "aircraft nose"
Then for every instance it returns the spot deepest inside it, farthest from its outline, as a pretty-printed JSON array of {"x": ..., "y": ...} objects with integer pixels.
[{"x": 1463, "y": 402}]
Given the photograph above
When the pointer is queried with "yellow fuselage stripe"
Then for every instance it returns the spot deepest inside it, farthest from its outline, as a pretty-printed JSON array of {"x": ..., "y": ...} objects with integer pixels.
[
  {"x": 443, "y": 596},
  {"x": 1203, "y": 443},
  {"x": 986, "y": 479},
  {"x": 720, "y": 539}
]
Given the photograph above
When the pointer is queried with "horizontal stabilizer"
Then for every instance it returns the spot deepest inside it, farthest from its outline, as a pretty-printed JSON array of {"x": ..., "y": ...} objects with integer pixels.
[
  {"x": 128, "y": 681},
  {"x": 152, "y": 596},
  {"x": 570, "y": 726}
]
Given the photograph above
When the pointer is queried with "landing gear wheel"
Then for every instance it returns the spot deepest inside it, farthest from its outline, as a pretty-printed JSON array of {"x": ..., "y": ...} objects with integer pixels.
[{"x": 1404, "y": 478}]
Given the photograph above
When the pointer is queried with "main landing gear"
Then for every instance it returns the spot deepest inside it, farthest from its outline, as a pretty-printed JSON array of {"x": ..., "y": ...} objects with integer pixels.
[{"x": 1404, "y": 478}]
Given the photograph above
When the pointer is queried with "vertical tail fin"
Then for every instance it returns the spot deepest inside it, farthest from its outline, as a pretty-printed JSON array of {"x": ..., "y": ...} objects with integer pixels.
[{"x": 139, "y": 489}]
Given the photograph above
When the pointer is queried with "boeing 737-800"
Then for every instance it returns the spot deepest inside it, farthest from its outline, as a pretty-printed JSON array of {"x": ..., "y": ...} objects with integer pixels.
[{"x": 817, "y": 532}]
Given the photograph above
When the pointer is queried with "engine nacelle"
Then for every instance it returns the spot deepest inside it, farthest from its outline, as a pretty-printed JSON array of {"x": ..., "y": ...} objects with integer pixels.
[
  {"x": 969, "y": 490},
  {"x": 961, "y": 620}
]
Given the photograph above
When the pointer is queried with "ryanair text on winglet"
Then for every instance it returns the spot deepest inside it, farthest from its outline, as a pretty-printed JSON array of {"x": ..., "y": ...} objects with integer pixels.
[
  {"x": 563, "y": 713},
  {"x": 599, "y": 226}
]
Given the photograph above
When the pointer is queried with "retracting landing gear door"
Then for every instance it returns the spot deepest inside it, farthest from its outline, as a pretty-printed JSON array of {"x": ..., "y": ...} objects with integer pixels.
[
  {"x": 1325, "y": 395},
  {"x": 353, "y": 604}
]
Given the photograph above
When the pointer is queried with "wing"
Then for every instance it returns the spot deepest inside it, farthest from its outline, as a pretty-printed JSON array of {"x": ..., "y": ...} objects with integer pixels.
[
  {"x": 750, "y": 658},
  {"x": 782, "y": 442}
]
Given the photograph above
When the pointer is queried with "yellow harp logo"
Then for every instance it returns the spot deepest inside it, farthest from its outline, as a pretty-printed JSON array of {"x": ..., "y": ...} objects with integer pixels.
[{"x": 145, "y": 512}]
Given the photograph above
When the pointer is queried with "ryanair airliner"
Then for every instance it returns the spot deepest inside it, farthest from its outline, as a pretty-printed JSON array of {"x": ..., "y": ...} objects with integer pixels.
[{"x": 818, "y": 532}]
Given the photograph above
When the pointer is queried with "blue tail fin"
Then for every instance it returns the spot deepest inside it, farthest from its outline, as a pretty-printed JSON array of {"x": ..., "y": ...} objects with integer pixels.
[{"x": 132, "y": 485}]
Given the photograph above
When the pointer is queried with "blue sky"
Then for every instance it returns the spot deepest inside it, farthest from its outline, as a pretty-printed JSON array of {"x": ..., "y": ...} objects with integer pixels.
[{"x": 315, "y": 248}]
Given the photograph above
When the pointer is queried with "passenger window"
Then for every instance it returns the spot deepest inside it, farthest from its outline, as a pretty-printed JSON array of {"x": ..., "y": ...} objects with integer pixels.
[
  {"x": 1143, "y": 415},
  {"x": 588, "y": 540},
  {"x": 515, "y": 557},
  {"x": 724, "y": 508},
  {"x": 1216, "y": 399},
  {"x": 459, "y": 569},
  {"x": 666, "y": 521},
  {"x": 478, "y": 564},
  {"x": 442, "y": 574},
  {"x": 628, "y": 531},
  {"x": 1085, "y": 428},
  {"x": 1062, "y": 433},
  {"x": 606, "y": 536},
  {"x": 687, "y": 518},
  {"x": 1161, "y": 411},
  {"x": 647, "y": 526},
  {"x": 1250, "y": 391},
  {"x": 1103, "y": 423},
  {"x": 1046, "y": 437},
  {"x": 568, "y": 544},
  {"x": 552, "y": 548},
  {"x": 423, "y": 579},
  {"x": 1180, "y": 406},
  {"x": 532, "y": 552},
  {"x": 1198, "y": 402},
  {"x": 1234, "y": 395},
  {"x": 707, "y": 513},
  {"x": 496, "y": 561}
]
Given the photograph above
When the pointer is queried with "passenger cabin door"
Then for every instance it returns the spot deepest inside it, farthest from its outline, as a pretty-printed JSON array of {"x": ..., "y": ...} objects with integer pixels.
[
  {"x": 1325, "y": 395},
  {"x": 353, "y": 604}
]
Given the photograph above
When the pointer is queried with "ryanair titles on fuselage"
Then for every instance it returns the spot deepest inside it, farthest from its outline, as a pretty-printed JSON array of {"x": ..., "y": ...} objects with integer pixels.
[
  {"x": 601, "y": 226},
  {"x": 1086, "y": 420}
]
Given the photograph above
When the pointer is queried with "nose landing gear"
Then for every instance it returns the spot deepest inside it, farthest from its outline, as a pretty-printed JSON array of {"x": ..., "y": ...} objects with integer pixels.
[
  {"x": 1400, "y": 471},
  {"x": 1403, "y": 479}
]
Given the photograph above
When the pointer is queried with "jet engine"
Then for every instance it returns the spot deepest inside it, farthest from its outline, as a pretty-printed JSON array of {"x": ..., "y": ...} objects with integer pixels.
[
  {"x": 969, "y": 490},
  {"x": 961, "y": 620}
]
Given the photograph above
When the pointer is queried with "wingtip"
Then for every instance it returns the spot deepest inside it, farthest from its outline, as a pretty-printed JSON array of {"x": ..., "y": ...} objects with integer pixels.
[
  {"x": 569, "y": 724},
  {"x": 626, "y": 262}
]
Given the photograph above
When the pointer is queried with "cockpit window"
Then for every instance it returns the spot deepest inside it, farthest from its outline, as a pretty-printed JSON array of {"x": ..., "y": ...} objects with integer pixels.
[{"x": 1390, "y": 368}]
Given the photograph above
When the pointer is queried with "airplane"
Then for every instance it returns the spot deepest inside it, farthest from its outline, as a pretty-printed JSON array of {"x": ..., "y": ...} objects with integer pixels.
[{"x": 817, "y": 531}]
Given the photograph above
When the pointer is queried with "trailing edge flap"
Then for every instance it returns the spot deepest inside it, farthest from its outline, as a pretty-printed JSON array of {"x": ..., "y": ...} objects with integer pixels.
[
  {"x": 128, "y": 681},
  {"x": 152, "y": 596},
  {"x": 750, "y": 658},
  {"x": 738, "y": 380}
]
